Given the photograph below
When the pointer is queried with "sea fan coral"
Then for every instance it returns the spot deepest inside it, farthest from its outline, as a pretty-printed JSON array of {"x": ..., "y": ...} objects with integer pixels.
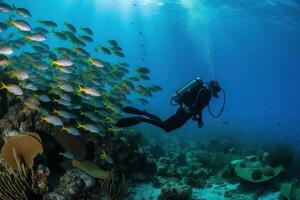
[
  {"x": 26, "y": 148},
  {"x": 21, "y": 184},
  {"x": 113, "y": 189}
]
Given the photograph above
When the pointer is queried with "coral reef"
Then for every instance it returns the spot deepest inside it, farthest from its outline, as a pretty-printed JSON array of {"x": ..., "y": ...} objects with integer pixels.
[
  {"x": 27, "y": 145},
  {"x": 72, "y": 183},
  {"x": 176, "y": 191},
  {"x": 211, "y": 168}
]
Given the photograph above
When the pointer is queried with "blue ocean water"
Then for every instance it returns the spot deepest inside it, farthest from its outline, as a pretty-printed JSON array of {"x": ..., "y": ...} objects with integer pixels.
[{"x": 251, "y": 47}]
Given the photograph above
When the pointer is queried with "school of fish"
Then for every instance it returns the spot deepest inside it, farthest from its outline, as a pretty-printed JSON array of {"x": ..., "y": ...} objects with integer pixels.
[{"x": 70, "y": 86}]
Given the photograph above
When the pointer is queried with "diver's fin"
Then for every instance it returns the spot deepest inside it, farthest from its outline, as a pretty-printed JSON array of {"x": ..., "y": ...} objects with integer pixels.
[
  {"x": 127, "y": 122},
  {"x": 132, "y": 110}
]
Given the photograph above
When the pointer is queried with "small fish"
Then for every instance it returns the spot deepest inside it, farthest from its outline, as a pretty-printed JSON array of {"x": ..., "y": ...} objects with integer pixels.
[
  {"x": 71, "y": 27},
  {"x": 75, "y": 107},
  {"x": 96, "y": 62},
  {"x": 14, "y": 89},
  {"x": 3, "y": 27},
  {"x": 23, "y": 12},
  {"x": 65, "y": 70},
  {"x": 44, "y": 98},
  {"x": 62, "y": 102},
  {"x": 62, "y": 77},
  {"x": 52, "y": 120},
  {"x": 20, "y": 75},
  {"x": 86, "y": 38},
  {"x": 68, "y": 155},
  {"x": 4, "y": 61},
  {"x": 40, "y": 30},
  {"x": 38, "y": 37},
  {"x": 5, "y": 49},
  {"x": 81, "y": 52},
  {"x": 106, "y": 157},
  {"x": 64, "y": 114},
  {"x": 89, "y": 127},
  {"x": 90, "y": 115},
  {"x": 116, "y": 48},
  {"x": 105, "y": 50},
  {"x": 5, "y": 8},
  {"x": 41, "y": 66},
  {"x": 20, "y": 24},
  {"x": 143, "y": 101},
  {"x": 60, "y": 35},
  {"x": 65, "y": 87},
  {"x": 32, "y": 103},
  {"x": 65, "y": 97},
  {"x": 87, "y": 30},
  {"x": 48, "y": 23},
  {"x": 71, "y": 130},
  {"x": 144, "y": 77},
  {"x": 30, "y": 86},
  {"x": 134, "y": 78},
  {"x": 78, "y": 42},
  {"x": 142, "y": 70},
  {"x": 113, "y": 43},
  {"x": 155, "y": 88},
  {"x": 89, "y": 91},
  {"x": 119, "y": 54},
  {"x": 62, "y": 62}
]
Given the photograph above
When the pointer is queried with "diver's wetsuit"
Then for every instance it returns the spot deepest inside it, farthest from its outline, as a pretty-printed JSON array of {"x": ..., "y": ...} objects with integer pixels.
[{"x": 182, "y": 115}]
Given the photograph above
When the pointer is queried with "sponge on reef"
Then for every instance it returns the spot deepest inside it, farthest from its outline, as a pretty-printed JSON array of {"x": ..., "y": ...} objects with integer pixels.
[{"x": 250, "y": 174}]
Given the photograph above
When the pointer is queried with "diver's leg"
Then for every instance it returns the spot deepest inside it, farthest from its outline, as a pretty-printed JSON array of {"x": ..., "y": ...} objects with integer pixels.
[
  {"x": 132, "y": 110},
  {"x": 128, "y": 122},
  {"x": 172, "y": 123},
  {"x": 177, "y": 120},
  {"x": 151, "y": 116}
]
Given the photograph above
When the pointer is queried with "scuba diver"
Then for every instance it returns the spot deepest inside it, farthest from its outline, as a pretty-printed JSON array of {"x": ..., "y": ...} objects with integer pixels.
[{"x": 192, "y": 98}]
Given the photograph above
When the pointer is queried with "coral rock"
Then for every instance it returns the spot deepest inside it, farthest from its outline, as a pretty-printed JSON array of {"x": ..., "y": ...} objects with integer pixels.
[
  {"x": 72, "y": 183},
  {"x": 176, "y": 192}
]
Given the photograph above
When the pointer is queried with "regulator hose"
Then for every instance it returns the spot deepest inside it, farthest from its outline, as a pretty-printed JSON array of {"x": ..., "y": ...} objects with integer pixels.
[
  {"x": 222, "y": 109},
  {"x": 172, "y": 102}
]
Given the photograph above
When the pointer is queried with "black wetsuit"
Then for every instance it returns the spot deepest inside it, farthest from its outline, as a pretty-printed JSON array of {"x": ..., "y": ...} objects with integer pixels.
[{"x": 182, "y": 116}]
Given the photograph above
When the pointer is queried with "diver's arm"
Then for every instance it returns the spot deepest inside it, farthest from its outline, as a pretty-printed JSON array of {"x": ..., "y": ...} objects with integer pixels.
[{"x": 200, "y": 119}]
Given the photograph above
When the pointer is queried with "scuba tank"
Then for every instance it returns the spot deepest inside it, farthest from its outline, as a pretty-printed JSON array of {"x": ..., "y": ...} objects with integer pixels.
[{"x": 180, "y": 95}]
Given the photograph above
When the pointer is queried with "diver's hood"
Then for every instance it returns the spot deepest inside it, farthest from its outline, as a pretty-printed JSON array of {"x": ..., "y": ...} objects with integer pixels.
[{"x": 214, "y": 88}]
